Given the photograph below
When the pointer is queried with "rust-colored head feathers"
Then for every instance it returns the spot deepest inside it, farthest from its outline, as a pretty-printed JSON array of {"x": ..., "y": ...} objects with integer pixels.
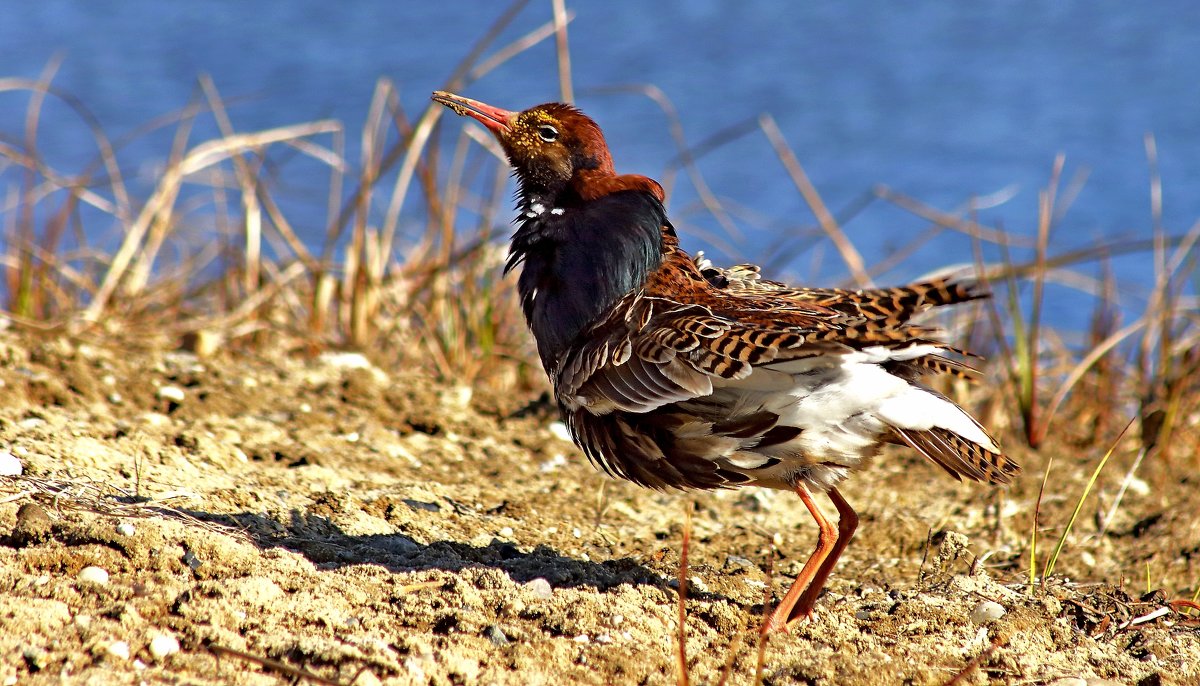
[{"x": 554, "y": 148}]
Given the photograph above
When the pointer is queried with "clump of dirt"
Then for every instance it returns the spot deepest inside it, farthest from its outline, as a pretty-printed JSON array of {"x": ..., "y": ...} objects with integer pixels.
[{"x": 255, "y": 518}]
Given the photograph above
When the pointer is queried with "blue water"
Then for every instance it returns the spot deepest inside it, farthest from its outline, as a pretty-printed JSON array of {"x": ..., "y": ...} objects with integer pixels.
[{"x": 941, "y": 101}]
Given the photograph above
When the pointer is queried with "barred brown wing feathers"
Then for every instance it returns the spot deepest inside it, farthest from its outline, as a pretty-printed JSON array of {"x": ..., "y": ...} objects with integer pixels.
[
  {"x": 669, "y": 359},
  {"x": 625, "y": 446},
  {"x": 959, "y": 456},
  {"x": 914, "y": 369}
]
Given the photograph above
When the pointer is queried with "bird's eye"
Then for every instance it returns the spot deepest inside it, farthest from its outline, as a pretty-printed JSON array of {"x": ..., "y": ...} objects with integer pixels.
[{"x": 548, "y": 133}]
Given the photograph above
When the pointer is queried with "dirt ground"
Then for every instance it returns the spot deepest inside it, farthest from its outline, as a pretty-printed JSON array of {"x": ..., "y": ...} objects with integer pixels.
[{"x": 249, "y": 519}]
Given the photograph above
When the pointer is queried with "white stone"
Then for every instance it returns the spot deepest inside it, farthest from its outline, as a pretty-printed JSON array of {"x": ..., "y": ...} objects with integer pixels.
[
  {"x": 1139, "y": 486},
  {"x": 559, "y": 460},
  {"x": 174, "y": 394},
  {"x": 986, "y": 611},
  {"x": 163, "y": 645},
  {"x": 506, "y": 532},
  {"x": 126, "y": 528},
  {"x": 94, "y": 575},
  {"x": 540, "y": 588},
  {"x": 9, "y": 464},
  {"x": 458, "y": 397},
  {"x": 345, "y": 360},
  {"x": 118, "y": 649}
]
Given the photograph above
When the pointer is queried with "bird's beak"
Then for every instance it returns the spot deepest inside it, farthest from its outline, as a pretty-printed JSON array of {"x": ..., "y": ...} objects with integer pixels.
[{"x": 495, "y": 119}]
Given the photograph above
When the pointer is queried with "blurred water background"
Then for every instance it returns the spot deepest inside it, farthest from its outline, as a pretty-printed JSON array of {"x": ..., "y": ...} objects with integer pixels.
[{"x": 944, "y": 102}]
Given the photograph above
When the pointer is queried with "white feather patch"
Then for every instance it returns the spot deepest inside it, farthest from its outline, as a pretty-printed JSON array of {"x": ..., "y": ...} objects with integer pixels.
[{"x": 921, "y": 411}]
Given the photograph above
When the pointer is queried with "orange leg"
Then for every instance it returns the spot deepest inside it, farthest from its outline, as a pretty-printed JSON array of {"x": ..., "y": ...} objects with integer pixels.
[
  {"x": 847, "y": 523},
  {"x": 826, "y": 538}
]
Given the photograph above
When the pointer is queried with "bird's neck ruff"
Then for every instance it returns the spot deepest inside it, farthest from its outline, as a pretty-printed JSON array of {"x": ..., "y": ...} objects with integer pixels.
[{"x": 579, "y": 257}]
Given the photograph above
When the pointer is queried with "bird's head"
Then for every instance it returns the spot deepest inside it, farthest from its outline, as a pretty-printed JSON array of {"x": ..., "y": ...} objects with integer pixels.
[{"x": 552, "y": 146}]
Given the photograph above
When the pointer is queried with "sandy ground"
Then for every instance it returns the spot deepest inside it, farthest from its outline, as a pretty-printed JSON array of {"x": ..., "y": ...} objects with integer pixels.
[{"x": 247, "y": 519}]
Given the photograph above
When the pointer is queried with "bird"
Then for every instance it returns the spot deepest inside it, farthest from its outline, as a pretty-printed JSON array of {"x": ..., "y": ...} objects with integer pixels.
[{"x": 673, "y": 373}]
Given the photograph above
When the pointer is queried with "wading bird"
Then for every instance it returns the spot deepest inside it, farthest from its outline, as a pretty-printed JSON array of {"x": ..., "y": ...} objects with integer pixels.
[{"x": 673, "y": 373}]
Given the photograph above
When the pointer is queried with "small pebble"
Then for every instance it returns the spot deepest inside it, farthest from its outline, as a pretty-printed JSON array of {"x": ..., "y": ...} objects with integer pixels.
[
  {"x": 583, "y": 638},
  {"x": 126, "y": 529},
  {"x": 33, "y": 525},
  {"x": 366, "y": 678},
  {"x": 559, "y": 460},
  {"x": 540, "y": 588},
  {"x": 83, "y": 621},
  {"x": 506, "y": 532},
  {"x": 118, "y": 649},
  {"x": 163, "y": 645},
  {"x": 172, "y": 393},
  {"x": 738, "y": 563},
  {"x": 9, "y": 464},
  {"x": 190, "y": 559},
  {"x": 459, "y": 397},
  {"x": 94, "y": 575},
  {"x": 345, "y": 360},
  {"x": 986, "y": 611},
  {"x": 496, "y": 635}
]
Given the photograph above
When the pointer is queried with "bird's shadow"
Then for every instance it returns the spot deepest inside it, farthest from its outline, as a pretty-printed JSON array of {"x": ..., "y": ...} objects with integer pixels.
[{"x": 326, "y": 545}]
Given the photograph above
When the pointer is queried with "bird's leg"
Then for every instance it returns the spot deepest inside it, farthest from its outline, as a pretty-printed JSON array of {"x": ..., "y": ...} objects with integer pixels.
[
  {"x": 847, "y": 523},
  {"x": 826, "y": 539}
]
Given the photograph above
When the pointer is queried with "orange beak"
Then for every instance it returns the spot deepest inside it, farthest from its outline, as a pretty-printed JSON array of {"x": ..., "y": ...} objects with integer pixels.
[{"x": 495, "y": 119}]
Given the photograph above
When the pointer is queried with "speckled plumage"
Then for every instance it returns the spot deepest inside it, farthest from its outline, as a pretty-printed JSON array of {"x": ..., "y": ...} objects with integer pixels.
[{"x": 674, "y": 373}]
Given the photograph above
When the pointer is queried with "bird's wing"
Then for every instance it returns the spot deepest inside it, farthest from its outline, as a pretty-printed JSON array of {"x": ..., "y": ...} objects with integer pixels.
[{"x": 645, "y": 370}]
